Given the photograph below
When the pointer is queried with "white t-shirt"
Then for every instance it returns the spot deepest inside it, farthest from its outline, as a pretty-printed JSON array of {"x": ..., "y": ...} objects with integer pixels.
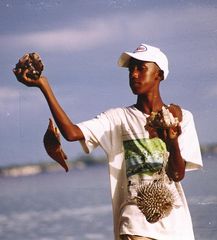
[{"x": 121, "y": 134}]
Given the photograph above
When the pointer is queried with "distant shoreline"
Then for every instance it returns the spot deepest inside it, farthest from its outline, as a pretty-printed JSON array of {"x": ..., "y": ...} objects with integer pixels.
[
  {"x": 81, "y": 163},
  {"x": 33, "y": 169},
  {"x": 209, "y": 149}
]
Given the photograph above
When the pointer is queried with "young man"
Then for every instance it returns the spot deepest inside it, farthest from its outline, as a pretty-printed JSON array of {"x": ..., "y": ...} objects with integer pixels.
[{"x": 136, "y": 148}]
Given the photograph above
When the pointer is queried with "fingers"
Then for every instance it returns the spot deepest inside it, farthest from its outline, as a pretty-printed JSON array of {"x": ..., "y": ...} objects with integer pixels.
[
  {"x": 22, "y": 77},
  {"x": 169, "y": 133},
  {"x": 18, "y": 73},
  {"x": 174, "y": 132},
  {"x": 18, "y": 69}
]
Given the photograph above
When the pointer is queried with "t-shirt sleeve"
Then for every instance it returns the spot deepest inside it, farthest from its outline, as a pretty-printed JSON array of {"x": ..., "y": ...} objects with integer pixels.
[
  {"x": 189, "y": 144},
  {"x": 99, "y": 131}
]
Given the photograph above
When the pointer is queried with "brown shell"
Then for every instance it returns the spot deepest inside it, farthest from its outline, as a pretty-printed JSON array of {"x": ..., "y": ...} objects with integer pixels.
[
  {"x": 32, "y": 62},
  {"x": 176, "y": 111},
  {"x": 53, "y": 146}
]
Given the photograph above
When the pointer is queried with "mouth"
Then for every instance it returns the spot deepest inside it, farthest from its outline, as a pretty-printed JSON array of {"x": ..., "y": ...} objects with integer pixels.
[
  {"x": 135, "y": 84},
  {"x": 135, "y": 87}
]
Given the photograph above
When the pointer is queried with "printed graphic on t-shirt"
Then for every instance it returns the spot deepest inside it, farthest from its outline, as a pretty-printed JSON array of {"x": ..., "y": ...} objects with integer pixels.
[{"x": 144, "y": 155}]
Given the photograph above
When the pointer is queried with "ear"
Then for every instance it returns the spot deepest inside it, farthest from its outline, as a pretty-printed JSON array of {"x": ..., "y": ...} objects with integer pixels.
[{"x": 161, "y": 74}]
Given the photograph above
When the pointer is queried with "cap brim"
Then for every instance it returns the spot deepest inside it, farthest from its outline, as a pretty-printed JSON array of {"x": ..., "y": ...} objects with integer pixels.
[
  {"x": 126, "y": 56},
  {"x": 124, "y": 59}
]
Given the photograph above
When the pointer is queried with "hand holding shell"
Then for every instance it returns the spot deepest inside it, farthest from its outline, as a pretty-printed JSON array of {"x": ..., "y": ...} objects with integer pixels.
[
  {"x": 30, "y": 63},
  {"x": 167, "y": 117},
  {"x": 165, "y": 122}
]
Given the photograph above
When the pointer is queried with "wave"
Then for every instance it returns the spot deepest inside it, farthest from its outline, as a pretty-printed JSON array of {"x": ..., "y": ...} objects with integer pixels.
[
  {"x": 52, "y": 215},
  {"x": 55, "y": 223}
]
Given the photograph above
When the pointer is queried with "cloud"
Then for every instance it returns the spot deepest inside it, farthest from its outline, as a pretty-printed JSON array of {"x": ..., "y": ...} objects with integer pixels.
[
  {"x": 163, "y": 24},
  {"x": 70, "y": 39},
  {"x": 84, "y": 37}
]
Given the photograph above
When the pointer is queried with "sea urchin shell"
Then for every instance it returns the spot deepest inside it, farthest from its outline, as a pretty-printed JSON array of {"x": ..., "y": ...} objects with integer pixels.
[{"x": 155, "y": 200}]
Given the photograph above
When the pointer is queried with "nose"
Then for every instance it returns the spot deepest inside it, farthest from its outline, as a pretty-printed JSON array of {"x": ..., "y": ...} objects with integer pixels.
[{"x": 134, "y": 72}]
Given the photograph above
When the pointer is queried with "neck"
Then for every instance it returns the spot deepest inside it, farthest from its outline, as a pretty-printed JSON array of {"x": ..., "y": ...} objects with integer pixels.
[{"x": 149, "y": 103}]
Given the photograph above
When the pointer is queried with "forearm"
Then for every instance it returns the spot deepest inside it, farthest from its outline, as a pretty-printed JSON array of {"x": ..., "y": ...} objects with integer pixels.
[
  {"x": 24, "y": 74},
  {"x": 67, "y": 128},
  {"x": 176, "y": 164}
]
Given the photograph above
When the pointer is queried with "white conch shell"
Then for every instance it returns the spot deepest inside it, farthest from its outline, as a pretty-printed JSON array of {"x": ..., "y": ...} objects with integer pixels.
[{"x": 168, "y": 118}]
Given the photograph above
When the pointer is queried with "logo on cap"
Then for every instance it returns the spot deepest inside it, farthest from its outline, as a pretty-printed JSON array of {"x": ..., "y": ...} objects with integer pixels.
[{"x": 141, "y": 48}]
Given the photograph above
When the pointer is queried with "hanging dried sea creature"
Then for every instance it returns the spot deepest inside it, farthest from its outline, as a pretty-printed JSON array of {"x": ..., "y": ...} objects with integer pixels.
[
  {"x": 53, "y": 146},
  {"x": 155, "y": 200}
]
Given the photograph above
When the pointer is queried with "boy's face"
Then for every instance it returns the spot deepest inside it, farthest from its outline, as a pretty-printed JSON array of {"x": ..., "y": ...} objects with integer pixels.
[{"x": 143, "y": 76}]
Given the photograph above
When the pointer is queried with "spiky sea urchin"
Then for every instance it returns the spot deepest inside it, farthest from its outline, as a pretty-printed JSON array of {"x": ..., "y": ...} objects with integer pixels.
[{"x": 155, "y": 200}]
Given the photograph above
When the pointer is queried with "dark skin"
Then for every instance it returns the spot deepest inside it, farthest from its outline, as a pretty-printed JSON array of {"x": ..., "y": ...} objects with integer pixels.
[
  {"x": 67, "y": 128},
  {"x": 145, "y": 78}
]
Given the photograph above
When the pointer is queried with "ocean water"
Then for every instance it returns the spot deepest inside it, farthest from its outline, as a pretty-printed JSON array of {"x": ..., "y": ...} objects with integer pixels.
[{"x": 77, "y": 205}]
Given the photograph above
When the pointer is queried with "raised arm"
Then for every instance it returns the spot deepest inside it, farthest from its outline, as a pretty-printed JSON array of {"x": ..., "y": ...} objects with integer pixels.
[{"x": 68, "y": 129}]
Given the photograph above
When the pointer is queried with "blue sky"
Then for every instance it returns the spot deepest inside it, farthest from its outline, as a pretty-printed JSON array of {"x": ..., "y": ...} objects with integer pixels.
[{"x": 80, "y": 42}]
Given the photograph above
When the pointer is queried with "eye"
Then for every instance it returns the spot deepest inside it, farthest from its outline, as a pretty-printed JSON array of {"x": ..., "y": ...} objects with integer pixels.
[
  {"x": 139, "y": 67},
  {"x": 131, "y": 68}
]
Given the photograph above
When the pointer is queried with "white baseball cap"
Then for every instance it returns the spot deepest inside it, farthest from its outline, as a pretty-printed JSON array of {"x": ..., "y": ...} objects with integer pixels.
[{"x": 146, "y": 53}]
